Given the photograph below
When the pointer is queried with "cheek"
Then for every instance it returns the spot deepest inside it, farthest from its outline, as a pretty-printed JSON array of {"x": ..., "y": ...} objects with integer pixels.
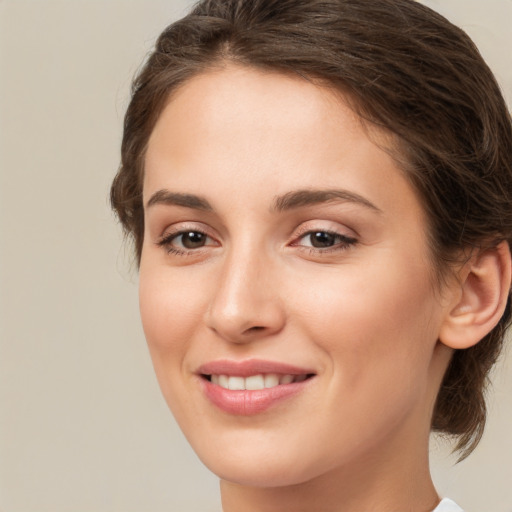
[
  {"x": 170, "y": 309},
  {"x": 171, "y": 312},
  {"x": 378, "y": 336},
  {"x": 376, "y": 325}
]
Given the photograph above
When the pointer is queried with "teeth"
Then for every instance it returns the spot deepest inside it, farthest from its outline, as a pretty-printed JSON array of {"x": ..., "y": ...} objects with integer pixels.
[
  {"x": 223, "y": 381},
  {"x": 254, "y": 382},
  {"x": 236, "y": 383},
  {"x": 271, "y": 380},
  {"x": 286, "y": 379}
]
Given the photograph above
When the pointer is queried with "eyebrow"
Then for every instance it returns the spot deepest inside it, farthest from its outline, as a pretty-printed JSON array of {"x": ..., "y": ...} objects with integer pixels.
[
  {"x": 300, "y": 198},
  {"x": 167, "y": 197},
  {"x": 288, "y": 201}
]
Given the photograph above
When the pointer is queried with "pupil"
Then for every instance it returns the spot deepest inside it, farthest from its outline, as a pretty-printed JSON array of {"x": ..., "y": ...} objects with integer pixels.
[
  {"x": 193, "y": 239},
  {"x": 322, "y": 239}
]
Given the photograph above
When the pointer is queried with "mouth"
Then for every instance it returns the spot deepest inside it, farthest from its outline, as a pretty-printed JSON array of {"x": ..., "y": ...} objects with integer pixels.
[
  {"x": 244, "y": 388},
  {"x": 255, "y": 382}
]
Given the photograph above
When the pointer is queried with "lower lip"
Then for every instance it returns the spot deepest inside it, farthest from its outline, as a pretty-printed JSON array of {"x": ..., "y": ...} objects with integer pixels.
[{"x": 249, "y": 402}]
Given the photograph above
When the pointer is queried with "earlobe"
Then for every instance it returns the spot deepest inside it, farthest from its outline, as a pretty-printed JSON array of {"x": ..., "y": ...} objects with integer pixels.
[{"x": 480, "y": 299}]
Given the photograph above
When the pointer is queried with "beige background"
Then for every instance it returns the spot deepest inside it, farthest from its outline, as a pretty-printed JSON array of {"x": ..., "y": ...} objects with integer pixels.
[{"x": 82, "y": 423}]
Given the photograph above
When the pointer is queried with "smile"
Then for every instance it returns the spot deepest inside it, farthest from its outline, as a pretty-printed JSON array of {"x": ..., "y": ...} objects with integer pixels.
[
  {"x": 244, "y": 388},
  {"x": 254, "y": 382}
]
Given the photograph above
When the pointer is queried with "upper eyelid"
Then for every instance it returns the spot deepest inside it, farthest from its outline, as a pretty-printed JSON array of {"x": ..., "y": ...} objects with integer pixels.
[
  {"x": 334, "y": 233},
  {"x": 309, "y": 230},
  {"x": 180, "y": 227},
  {"x": 332, "y": 227}
]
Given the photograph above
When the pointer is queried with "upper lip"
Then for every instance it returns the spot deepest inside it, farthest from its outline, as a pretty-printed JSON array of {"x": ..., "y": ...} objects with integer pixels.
[{"x": 250, "y": 367}]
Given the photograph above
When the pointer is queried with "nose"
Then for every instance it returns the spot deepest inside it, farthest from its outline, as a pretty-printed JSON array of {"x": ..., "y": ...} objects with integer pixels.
[{"x": 246, "y": 304}]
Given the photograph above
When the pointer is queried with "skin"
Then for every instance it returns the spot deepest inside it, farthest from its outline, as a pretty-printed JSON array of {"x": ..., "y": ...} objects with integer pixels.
[{"x": 364, "y": 313}]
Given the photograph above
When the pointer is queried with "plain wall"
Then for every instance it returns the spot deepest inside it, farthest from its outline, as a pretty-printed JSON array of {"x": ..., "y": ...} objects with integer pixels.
[{"x": 83, "y": 427}]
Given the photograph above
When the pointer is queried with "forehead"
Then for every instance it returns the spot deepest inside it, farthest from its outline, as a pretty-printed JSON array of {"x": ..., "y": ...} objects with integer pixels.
[
  {"x": 212, "y": 104},
  {"x": 236, "y": 130}
]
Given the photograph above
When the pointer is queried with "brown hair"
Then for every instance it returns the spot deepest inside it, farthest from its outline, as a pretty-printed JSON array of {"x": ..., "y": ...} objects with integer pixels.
[{"x": 406, "y": 69}]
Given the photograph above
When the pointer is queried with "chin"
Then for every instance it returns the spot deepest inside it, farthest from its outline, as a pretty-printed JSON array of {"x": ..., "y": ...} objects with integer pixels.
[
  {"x": 262, "y": 460},
  {"x": 267, "y": 474}
]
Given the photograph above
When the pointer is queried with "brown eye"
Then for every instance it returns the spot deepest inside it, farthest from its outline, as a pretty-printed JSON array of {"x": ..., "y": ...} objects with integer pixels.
[
  {"x": 185, "y": 241},
  {"x": 325, "y": 240},
  {"x": 322, "y": 239},
  {"x": 191, "y": 239}
]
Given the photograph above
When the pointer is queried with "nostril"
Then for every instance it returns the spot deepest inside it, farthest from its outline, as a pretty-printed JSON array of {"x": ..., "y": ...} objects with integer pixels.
[{"x": 256, "y": 328}]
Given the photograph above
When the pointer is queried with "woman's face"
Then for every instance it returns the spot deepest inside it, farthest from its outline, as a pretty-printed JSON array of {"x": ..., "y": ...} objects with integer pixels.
[{"x": 285, "y": 258}]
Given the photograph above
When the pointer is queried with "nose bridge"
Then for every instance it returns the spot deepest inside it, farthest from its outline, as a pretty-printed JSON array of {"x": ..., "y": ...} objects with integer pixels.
[{"x": 246, "y": 301}]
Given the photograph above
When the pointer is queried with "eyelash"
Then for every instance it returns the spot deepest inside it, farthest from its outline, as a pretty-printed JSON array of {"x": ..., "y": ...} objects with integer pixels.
[
  {"x": 342, "y": 242},
  {"x": 167, "y": 240}
]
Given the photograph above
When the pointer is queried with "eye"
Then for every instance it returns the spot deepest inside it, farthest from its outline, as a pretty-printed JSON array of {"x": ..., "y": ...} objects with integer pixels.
[
  {"x": 185, "y": 241},
  {"x": 190, "y": 239},
  {"x": 321, "y": 239}
]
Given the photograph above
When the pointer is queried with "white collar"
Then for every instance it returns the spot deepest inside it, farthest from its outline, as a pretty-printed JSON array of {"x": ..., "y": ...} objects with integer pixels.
[{"x": 447, "y": 505}]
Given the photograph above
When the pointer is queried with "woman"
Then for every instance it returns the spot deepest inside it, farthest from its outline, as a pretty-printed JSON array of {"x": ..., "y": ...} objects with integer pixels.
[{"x": 319, "y": 195}]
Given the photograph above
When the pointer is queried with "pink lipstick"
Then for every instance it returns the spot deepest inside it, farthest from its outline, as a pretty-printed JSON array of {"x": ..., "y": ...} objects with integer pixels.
[{"x": 252, "y": 386}]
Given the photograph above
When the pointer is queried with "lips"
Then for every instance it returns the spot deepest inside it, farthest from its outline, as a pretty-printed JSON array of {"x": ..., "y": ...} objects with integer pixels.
[{"x": 252, "y": 386}]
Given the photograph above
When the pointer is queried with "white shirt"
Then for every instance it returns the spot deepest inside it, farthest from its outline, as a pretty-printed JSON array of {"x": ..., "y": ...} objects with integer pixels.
[{"x": 447, "y": 505}]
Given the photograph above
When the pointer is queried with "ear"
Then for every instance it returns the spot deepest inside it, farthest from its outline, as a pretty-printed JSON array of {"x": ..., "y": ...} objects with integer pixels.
[{"x": 479, "y": 298}]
